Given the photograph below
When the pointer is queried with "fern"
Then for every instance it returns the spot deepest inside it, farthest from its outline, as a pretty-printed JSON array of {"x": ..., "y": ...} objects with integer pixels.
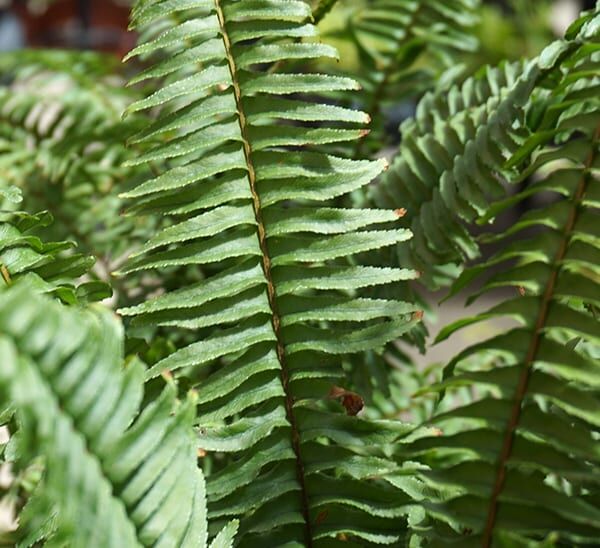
[
  {"x": 391, "y": 36},
  {"x": 281, "y": 311},
  {"x": 39, "y": 267},
  {"x": 449, "y": 167},
  {"x": 114, "y": 476},
  {"x": 44, "y": 267},
  {"x": 62, "y": 141},
  {"x": 521, "y": 460},
  {"x": 53, "y": 269},
  {"x": 443, "y": 174},
  {"x": 269, "y": 315},
  {"x": 441, "y": 148}
]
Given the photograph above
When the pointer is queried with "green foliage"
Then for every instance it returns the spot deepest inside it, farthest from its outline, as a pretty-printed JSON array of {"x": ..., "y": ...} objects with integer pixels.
[
  {"x": 279, "y": 324},
  {"x": 62, "y": 139},
  {"x": 450, "y": 164},
  {"x": 440, "y": 175},
  {"x": 521, "y": 459},
  {"x": 35, "y": 266},
  {"x": 282, "y": 310},
  {"x": 44, "y": 267},
  {"x": 401, "y": 47},
  {"x": 114, "y": 475}
]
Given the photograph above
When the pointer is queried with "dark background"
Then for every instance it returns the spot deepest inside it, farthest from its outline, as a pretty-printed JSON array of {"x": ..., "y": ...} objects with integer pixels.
[{"x": 82, "y": 24}]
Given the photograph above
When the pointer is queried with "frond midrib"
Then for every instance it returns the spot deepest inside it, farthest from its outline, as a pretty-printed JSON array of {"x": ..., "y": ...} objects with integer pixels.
[
  {"x": 266, "y": 266},
  {"x": 530, "y": 358},
  {"x": 322, "y": 9}
]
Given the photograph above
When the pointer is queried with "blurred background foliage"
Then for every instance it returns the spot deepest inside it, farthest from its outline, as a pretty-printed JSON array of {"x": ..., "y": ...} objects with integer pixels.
[{"x": 506, "y": 30}]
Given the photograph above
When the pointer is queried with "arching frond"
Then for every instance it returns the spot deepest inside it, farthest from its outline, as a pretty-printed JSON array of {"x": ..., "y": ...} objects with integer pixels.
[
  {"x": 439, "y": 174},
  {"x": 247, "y": 194},
  {"x": 521, "y": 460},
  {"x": 114, "y": 476},
  {"x": 449, "y": 167},
  {"x": 446, "y": 169}
]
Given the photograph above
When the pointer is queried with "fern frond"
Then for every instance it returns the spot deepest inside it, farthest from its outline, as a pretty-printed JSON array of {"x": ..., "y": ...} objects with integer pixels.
[
  {"x": 449, "y": 167},
  {"x": 390, "y": 35},
  {"x": 50, "y": 268},
  {"x": 114, "y": 475},
  {"x": 247, "y": 192},
  {"x": 53, "y": 269},
  {"x": 62, "y": 145},
  {"x": 440, "y": 174},
  {"x": 520, "y": 461},
  {"x": 445, "y": 172}
]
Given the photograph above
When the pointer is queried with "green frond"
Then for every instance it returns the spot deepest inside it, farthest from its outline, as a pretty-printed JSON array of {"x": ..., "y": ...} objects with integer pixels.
[
  {"x": 40, "y": 267},
  {"x": 114, "y": 475},
  {"x": 443, "y": 175},
  {"x": 62, "y": 144},
  {"x": 451, "y": 164},
  {"x": 391, "y": 36},
  {"x": 248, "y": 198},
  {"x": 521, "y": 460},
  {"x": 444, "y": 170},
  {"x": 50, "y": 268},
  {"x": 446, "y": 165}
]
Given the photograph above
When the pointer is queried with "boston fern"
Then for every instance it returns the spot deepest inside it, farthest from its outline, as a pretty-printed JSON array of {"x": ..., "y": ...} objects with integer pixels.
[
  {"x": 258, "y": 313},
  {"x": 115, "y": 481},
  {"x": 282, "y": 309}
]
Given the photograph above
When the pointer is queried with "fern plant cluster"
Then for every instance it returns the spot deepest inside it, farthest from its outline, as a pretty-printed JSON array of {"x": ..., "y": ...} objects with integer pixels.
[{"x": 212, "y": 284}]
